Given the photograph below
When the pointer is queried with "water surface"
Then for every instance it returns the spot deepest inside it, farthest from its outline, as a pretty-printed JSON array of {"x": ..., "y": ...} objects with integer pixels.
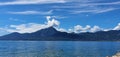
[{"x": 57, "y": 49}]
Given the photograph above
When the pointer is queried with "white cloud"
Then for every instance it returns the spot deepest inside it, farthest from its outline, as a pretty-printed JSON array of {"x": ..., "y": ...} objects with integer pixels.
[
  {"x": 20, "y": 2},
  {"x": 59, "y": 17},
  {"x": 3, "y": 31},
  {"x": 79, "y": 29},
  {"x": 79, "y": 6},
  {"x": 26, "y": 28},
  {"x": 52, "y": 22},
  {"x": 32, "y": 27},
  {"x": 17, "y": 20},
  {"x": 92, "y": 6},
  {"x": 93, "y": 10},
  {"x": 107, "y": 29},
  {"x": 105, "y": 10},
  {"x": 117, "y": 27},
  {"x": 70, "y": 30},
  {"x": 95, "y": 29},
  {"x": 86, "y": 3},
  {"x": 32, "y": 12},
  {"x": 108, "y": 3},
  {"x": 87, "y": 27},
  {"x": 62, "y": 29}
]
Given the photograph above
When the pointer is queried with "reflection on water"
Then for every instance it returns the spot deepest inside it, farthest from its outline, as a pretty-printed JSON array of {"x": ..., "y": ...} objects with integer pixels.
[{"x": 57, "y": 49}]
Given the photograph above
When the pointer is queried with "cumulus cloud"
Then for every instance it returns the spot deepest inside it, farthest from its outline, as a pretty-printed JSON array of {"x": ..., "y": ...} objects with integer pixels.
[
  {"x": 33, "y": 27},
  {"x": 87, "y": 27},
  {"x": 51, "y": 22},
  {"x": 81, "y": 29},
  {"x": 32, "y": 12},
  {"x": 95, "y": 29},
  {"x": 78, "y": 28},
  {"x": 23, "y": 2}
]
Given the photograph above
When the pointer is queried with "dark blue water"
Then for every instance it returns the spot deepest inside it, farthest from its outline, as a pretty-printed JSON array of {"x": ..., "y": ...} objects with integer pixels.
[{"x": 57, "y": 49}]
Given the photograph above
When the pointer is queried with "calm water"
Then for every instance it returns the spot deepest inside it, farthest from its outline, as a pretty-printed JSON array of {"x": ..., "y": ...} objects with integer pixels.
[{"x": 57, "y": 49}]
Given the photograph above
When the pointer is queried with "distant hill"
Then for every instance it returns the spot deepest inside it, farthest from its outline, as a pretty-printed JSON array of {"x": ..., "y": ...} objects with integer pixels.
[{"x": 51, "y": 34}]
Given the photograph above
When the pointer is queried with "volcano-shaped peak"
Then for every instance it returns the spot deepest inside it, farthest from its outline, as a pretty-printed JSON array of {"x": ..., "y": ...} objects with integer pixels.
[
  {"x": 49, "y": 29},
  {"x": 46, "y": 32}
]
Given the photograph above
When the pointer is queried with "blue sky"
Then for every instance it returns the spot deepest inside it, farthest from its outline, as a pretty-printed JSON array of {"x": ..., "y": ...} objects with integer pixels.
[{"x": 72, "y": 15}]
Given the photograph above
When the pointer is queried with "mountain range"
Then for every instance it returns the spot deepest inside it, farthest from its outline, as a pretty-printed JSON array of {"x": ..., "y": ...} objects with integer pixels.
[{"x": 51, "y": 34}]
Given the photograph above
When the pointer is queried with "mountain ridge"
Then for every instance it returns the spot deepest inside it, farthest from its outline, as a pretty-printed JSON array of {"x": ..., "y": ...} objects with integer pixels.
[{"x": 51, "y": 34}]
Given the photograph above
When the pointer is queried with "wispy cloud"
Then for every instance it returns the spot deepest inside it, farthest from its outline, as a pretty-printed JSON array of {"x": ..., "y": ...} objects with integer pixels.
[
  {"x": 32, "y": 12},
  {"x": 87, "y": 4},
  {"x": 20, "y": 2},
  {"x": 93, "y": 10},
  {"x": 93, "y": 6},
  {"x": 75, "y": 6},
  {"x": 107, "y": 3},
  {"x": 16, "y": 20},
  {"x": 59, "y": 17}
]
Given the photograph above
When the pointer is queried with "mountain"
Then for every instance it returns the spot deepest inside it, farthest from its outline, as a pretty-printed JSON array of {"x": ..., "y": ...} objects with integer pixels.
[{"x": 51, "y": 34}]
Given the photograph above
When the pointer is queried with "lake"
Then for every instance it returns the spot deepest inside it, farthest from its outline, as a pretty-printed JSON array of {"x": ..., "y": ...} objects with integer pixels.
[{"x": 58, "y": 48}]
